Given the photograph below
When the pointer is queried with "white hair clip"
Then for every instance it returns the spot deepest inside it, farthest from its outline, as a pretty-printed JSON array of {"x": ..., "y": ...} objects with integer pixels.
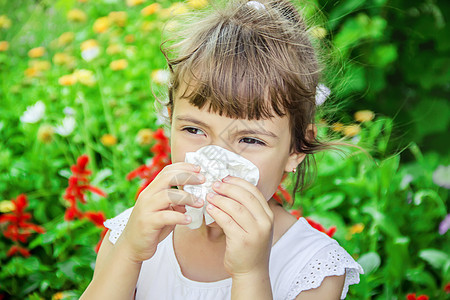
[{"x": 256, "y": 5}]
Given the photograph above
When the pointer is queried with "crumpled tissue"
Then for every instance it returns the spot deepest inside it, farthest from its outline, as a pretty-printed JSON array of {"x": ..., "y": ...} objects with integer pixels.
[{"x": 216, "y": 163}]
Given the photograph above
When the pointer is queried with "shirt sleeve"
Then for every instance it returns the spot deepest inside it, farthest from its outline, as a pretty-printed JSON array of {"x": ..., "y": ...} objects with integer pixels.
[
  {"x": 117, "y": 224},
  {"x": 332, "y": 260}
]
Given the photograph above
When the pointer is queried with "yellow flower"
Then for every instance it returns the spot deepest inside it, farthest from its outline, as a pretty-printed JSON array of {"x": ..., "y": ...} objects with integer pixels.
[
  {"x": 364, "y": 116},
  {"x": 134, "y": 2},
  {"x": 337, "y": 127},
  {"x": 118, "y": 65},
  {"x": 86, "y": 45},
  {"x": 114, "y": 49},
  {"x": 129, "y": 38},
  {"x": 144, "y": 136},
  {"x": 36, "y": 52},
  {"x": 4, "y": 46},
  {"x": 40, "y": 65},
  {"x": 197, "y": 4},
  {"x": 77, "y": 15},
  {"x": 351, "y": 130},
  {"x": 45, "y": 133},
  {"x": 108, "y": 140},
  {"x": 62, "y": 59},
  {"x": 59, "y": 295},
  {"x": 66, "y": 38},
  {"x": 67, "y": 80},
  {"x": 178, "y": 8},
  {"x": 150, "y": 9},
  {"x": 357, "y": 228},
  {"x": 118, "y": 17},
  {"x": 85, "y": 77},
  {"x": 101, "y": 25},
  {"x": 32, "y": 72},
  {"x": 319, "y": 32},
  {"x": 6, "y": 206},
  {"x": 5, "y": 22}
]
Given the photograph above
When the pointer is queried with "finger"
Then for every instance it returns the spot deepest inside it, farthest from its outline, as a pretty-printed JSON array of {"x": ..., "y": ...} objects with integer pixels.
[
  {"x": 171, "y": 198},
  {"x": 244, "y": 196},
  {"x": 225, "y": 221},
  {"x": 251, "y": 188},
  {"x": 164, "y": 218},
  {"x": 170, "y": 177},
  {"x": 238, "y": 212}
]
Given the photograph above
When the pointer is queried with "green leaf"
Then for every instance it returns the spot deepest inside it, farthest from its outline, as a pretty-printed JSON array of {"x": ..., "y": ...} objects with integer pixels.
[
  {"x": 329, "y": 201},
  {"x": 436, "y": 258},
  {"x": 370, "y": 262}
]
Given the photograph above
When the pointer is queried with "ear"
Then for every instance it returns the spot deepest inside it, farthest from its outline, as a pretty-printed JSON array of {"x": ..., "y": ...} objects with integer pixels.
[
  {"x": 293, "y": 161},
  {"x": 295, "y": 158}
]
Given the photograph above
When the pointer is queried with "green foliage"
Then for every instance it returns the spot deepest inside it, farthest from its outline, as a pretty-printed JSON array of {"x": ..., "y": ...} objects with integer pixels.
[{"x": 386, "y": 207}]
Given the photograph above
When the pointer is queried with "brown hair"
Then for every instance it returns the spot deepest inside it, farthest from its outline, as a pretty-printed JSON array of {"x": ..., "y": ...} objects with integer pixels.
[{"x": 250, "y": 61}]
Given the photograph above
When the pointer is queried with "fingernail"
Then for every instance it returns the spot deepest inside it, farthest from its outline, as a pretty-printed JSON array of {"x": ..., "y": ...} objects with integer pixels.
[
  {"x": 226, "y": 179},
  {"x": 210, "y": 195},
  {"x": 201, "y": 177},
  {"x": 199, "y": 201},
  {"x": 210, "y": 207},
  {"x": 197, "y": 168},
  {"x": 188, "y": 219},
  {"x": 217, "y": 184}
]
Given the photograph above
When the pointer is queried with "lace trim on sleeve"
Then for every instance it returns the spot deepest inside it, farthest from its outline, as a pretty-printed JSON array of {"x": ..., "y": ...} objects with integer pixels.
[
  {"x": 331, "y": 261},
  {"x": 117, "y": 224}
]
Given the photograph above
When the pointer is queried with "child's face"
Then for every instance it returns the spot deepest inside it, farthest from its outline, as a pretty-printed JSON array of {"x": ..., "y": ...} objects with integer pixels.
[{"x": 266, "y": 143}]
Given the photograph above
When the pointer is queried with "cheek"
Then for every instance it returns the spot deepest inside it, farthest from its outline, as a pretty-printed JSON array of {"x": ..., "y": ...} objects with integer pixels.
[{"x": 269, "y": 177}]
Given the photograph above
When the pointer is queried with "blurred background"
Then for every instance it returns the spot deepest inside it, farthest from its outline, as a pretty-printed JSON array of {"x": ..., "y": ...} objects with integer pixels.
[{"x": 80, "y": 135}]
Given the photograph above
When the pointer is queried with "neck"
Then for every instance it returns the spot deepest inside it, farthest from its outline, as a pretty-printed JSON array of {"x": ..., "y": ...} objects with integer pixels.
[{"x": 211, "y": 233}]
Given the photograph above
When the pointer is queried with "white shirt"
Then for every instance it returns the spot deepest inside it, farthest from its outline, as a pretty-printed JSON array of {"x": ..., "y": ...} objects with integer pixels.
[{"x": 299, "y": 261}]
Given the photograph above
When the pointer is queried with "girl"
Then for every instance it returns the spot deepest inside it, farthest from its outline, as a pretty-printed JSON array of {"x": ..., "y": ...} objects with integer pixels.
[{"x": 244, "y": 79}]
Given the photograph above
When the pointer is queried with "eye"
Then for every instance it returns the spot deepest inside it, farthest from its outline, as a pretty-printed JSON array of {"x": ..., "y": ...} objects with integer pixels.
[
  {"x": 252, "y": 141},
  {"x": 193, "y": 130}
]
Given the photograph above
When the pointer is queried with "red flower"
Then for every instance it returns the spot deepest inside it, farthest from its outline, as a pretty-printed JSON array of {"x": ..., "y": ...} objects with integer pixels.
[
  {"x": 18, "y": 249},
  {"x": 95, "y": 217},
  {"x": 296, "y": 213},
  {"x": 19, "y": 228},
  {"x": 282, "y": 194},
  {"x": 330, "y": 232},
  {"x": 78, "y": 185},
  {"x": 412, "y": 296},
  {"x": 447, "y": 288},
  {"x": 160, "y": 159}
]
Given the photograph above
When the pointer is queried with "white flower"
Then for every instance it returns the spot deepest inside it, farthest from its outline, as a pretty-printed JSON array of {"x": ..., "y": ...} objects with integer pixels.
[
  {"x": 34, "y": 113},
  {"x": 69, "y": 111},
  {"x": 161, "y": 76},
  {"x": 441, "y": 176},
  {"x": 322, "y": 93},
  {"x": 67, "y": 126},
  {"x": 90, "y": 53}
]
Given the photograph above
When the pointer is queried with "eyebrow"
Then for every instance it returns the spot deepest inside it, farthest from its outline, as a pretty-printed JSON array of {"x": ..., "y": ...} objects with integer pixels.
[{"x": 246, "y": 131}]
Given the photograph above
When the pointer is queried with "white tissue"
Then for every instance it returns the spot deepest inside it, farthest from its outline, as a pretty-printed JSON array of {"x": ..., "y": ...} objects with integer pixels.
[{"x": 216, "y": 163}]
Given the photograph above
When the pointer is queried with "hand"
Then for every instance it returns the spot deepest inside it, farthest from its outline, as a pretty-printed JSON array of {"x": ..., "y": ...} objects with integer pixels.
[
  {"x": 243, "y": 213},
  {"x": 158, "y": 209}
]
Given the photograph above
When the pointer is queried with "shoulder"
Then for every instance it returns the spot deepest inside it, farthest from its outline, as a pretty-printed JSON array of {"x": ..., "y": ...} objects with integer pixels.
[{"x": 304, "y": 258}]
